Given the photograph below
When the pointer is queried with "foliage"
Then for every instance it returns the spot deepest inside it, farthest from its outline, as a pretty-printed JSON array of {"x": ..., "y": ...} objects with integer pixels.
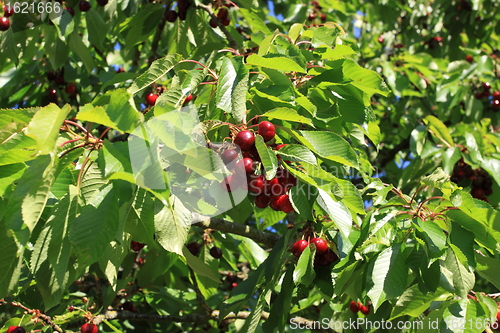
[{"x": 390, "y": 119}]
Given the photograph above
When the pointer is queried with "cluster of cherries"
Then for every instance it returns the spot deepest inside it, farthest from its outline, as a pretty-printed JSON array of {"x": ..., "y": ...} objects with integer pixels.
[
  {"x": 222, "y": 16},
  {"x": 182, "y": 7},
  {"x": 324, "y": 255},
  {"x": 266, "y": 192},
  {"x": 316, "y": 12},
  {"x": 195, "y": 248},
  {"x": 495, "y": 102},
  {"x": 8, "y": 11},
  {"x": 481, "y": 182},
  {"x": 358, "y": 307},
  {"x": 231, "y": 280},
  {"x": 85, "y": 328},
  {"x": 58, "y": 77},
  {"x": 434, "y": 42}
]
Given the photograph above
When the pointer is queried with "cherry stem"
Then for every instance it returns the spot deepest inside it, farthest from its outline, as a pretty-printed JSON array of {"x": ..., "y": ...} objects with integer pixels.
[
  {"x": 71, "y": 149},
  {"x": 69, "y": 141},
  {"x": 104, "y": 133},
  {"x": 75, "y": 124},
  {"x": 212, "y": 73}
]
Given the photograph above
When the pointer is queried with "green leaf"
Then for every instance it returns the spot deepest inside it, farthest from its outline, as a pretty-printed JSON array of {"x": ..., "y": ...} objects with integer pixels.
[
  {"x": 11, "y": 262},
  {"x": 254, "y": 21},
  {"x": 463, "y": 277},
  {"x": 267, "y": 157},
  {"x": 297, "y": 153},
  {"x": 198, "y": 266},
  {"x": 364, "y": 79},
  {"x": 172, "y": 224},
  {"x": 113, "y": 109},
  {"x": 45, "y": 126},
  {"x": 158, "y": 68},
  {"x": 287, "y": 114},
  {"x": 304, "y": 270},
  {"x": 275, "y": 62},
  {"x": 96, "y": 226},
  {"x": 337, "y": 211},
  {"x": 51, "y": 253},
  {"x": 489, "y": 269},
  {"x": 232, "y": 88},
  {"x": 330, "y": 146},
  {"x": 22, "y": 116},
  {"x": 389, "y": 275},
  {"x": 141, "y": 25},
  {"x": 280, "y": 309},
  {"x": 77, "y": 46},
  {"x": 439, "y": 129},
  {"x": 96, "y": 27},
  {"x": 413, "y": 302},
  {"x": 10, "y": 173}
]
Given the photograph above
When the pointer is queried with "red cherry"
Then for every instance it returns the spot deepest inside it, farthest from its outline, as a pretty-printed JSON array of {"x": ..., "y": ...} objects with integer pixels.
[
  {"x": 188, "y": 99},
  {"x": 71, "y": 89},
  {"x": 136, "y": 246},
  {"x": 229, "y": 156},
  {"x": 262, "y": 201},
  {"x": 216, "y": 252},
  {"x": 274, "y": 204},
  {"x": 276, "y": 189},
  {"x": 469, "y": 59},
  {"x": 267, "y": 130},
  {"x": 4, "y": 24},
  {"x": 299, "y": 246},
  {"x": 495, "y": 104},
  {"x": 233, "y": 285},
  {"x": 498, "y": 315},
  {"x": 151, "y": 99},
  {"x": 171, "y": 16},
  {"x": 248, "y": 164},
  {"x": 323, "y": 17},
  {"x": 8, "y": 11},
  {"x": 245, "y": 139},
  {"x": 311, "y": 16},
  {"x": 227, "y": 184},
  {"x": 496, "y": 95},
  {"x": 16, "y": 329},
  {"x": 70, "y": 10},
  {"x": 194, "y": 248},
  {"x": 321, "y": 245},
  {"x": 89, "y": 328},
  {"x": 102, "y": 2},
  {"x": 257, "y": 184},
  {"x": 479, "y": 95},
  {"x": 84, "y": 6},
  {"x": 380, "y": 39},
  {"x": 222, "y": 14},
  {"x": 278, "y": 147},
  {"x": 354, "y": 306},
  {"x": 486, "y": 86},
  {"x": 365, "y": 309},
  {"x": 284, "y": 203},
  {"x": 438, "y": 39},
  {"x": 128, "y": 306},
  {"x": 213, "y": 23}
]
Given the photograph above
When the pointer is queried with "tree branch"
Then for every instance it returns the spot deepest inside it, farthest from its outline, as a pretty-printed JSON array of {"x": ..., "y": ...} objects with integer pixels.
[
  {"x": 230, "y": 39},
  {"x": 258, "y": 236}
]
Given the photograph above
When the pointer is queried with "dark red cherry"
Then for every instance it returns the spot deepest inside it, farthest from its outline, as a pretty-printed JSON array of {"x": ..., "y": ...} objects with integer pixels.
[
  {"x": 299, "y": 246},
  {"x": 267, "y": 130},
  {"x": 321, "y": 245},
  {"x": 84, "y": 6},
  {"x": 245, "y": 139},
  {"x": 216, "y": 252}
]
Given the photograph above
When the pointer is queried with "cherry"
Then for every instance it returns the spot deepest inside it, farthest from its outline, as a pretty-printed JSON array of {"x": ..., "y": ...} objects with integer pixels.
[
  {"x": 102, "y": 2},
  {"x": 245, "y": 139},
  {"x": 136, "y": 246},
  {"x": 257, "y": 184},
  {"x": 233, "y": 285},
  {"x": 71, "y": 89},
  {"x": 70, "y": 10},
  {"x": 89, "y": 328},
  {"x": 495, "y": 104},
  {"x": 496, "y": 95},
  {"x": 213, "y": 23},
  {"x": 51, "y": 75},
  {"x": 171, "y": 16},
  {"x": 226, "y": 22},
  {"x": 276, "y": 189},
  {"x": 16, "y": 329},
  {"x": 380, "y": 39},
  {"x": 194, "y": 248},
  {"x": 284, "y": 203},
  {"x": 231, "y": 182},
  {"x": 365, "y": 309},
  {"x": 71, "y": 308},
  {"x": 311, "y": 16},
  {"x": 4, "y": 24},
  {"x": 325, "y": 259},
  {"x": 438, "y": 39},
  {"x": 188, "y": 99},
  {"x": 248, "y": 164},
  {"x": 222, "y": 14},
  {"x": 229, "y": 156},
  {"x": 8, "y": 11},
  {"x": 60, "y": 80},
  {"x": 299, "y": 246},
  {"x": 230, "y": 277},
  {"x": 354, "y": 306},
  {"x": 486, "y": 86},
  {"x": 321, "y": 245},
  {"x": 469, "y": 59},
  {"x": 323, "y": 17},
  {"x": 128, "y": 306},
  {"x": 262, "y": 201},
  {"x": 84, "y": 6},
  {"x": 120, "y": 70},
  {"x": 479, "y": 95},
  {"x": 274, "y": 204},
  {"x": 53, "y": 95},
  {"x": 267, "y": 130},
  {"x": 151, "y": 99},
  {"x": 216, "y": 252},
  {"x": 281, "y": 145}
]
